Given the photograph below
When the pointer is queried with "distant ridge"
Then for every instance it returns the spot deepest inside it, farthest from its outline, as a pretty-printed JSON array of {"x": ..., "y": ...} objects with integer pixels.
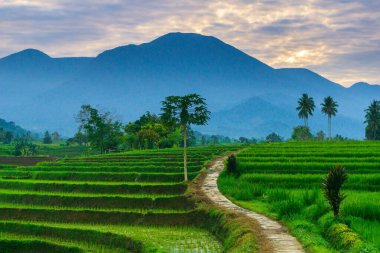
[
  {"x": 12, "y": 127},
  {"x": 41, "y": 92}
]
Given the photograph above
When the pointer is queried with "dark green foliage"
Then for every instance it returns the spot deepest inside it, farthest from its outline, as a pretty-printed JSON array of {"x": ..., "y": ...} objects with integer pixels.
[
  {"x": 24, "y": 147},
  {"x": 320, "y": 136},
  {"x": 232, "y": 167},
  {"x": 184, "y": 111},
  {"x": 245, "y": 140},
  {"x": 329, "y": 107},
  {"x": 301, "y": 133},
  {"x": 47, "y": 138},
  {"x": 34, "y": 246},
  {"x": 372, "y": 119},
  {"x": 6, "y": 136},
  {"x": 332, "y": 186},
  {"x": 273, "y": 137},
  {"x": 101, "y": 131},
  {"x": 305, "y": 107}
]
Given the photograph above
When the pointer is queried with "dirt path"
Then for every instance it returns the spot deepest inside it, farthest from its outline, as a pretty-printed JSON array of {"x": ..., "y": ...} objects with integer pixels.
[{"x": 276, "y": 234}]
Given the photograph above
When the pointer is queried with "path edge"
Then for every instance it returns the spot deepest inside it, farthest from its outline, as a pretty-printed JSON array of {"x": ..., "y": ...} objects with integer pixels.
[{"x": 232, "y": 222}]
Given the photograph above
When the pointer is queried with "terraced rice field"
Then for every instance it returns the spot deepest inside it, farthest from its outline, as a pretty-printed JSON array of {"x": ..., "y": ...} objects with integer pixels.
[
  {"x": 129, "y": 202},
  {"x": 284, "y": 181}
]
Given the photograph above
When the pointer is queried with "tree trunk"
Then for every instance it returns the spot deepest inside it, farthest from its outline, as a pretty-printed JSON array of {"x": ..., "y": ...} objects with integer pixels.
[
  {"x": 329, "y": 127},
  {"x": 184, "y": 151}
]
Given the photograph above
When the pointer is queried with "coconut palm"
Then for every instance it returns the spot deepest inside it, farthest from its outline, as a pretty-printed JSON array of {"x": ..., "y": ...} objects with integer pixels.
[
  {"x": 305, "y": 107},
  {"x": 372, "y": 119},
  {"x": 330, "y": 108}
]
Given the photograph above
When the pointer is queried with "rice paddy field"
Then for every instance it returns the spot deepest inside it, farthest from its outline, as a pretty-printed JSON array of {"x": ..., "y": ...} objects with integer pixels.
[
  {"x": 123, "y": 202},
  {"x": 284, "y": 181}
]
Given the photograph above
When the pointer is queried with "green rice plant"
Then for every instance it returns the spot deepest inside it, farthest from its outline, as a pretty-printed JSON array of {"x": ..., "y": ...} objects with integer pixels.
[
  {"x": 169, "y": 202},
  {"x": 290, "y": 176},
  {"x": 35, "y": 246},
  {"x": 99, "y": 188},
  {"x": 71, "y": 234},
  {"x": 287, "y": 208},
  {"x": 369, "y": 230}
]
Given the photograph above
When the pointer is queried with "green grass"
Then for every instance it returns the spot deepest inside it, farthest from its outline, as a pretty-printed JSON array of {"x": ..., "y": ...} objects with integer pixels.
[
  {"x": 97, "y": 203},
  {"x": 162, "y": 239},
  {"x": 284, "y": 181}
]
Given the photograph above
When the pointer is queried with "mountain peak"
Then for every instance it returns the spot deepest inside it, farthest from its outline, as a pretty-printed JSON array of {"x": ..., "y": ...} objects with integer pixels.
[
  {"x": 363, "y": 85},
  {"x": 174, "y": 36},
  {"x": 30, "y": 53}
]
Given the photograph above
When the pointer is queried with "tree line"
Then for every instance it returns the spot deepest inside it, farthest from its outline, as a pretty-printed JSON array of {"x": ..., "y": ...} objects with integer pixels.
[{"x": 329, "y": 107}]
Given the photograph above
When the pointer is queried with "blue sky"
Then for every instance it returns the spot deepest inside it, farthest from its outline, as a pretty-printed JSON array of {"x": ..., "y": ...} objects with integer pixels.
[{"x": 338, "y": 39}]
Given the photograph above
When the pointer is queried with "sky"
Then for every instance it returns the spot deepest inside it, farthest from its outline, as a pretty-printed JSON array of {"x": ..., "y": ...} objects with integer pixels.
[{"x": 338, "y": 39}]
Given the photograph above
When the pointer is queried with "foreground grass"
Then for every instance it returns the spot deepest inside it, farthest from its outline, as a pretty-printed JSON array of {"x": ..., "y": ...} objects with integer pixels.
[
  {"x": 297, "y": 199},
  {"x": 126, "y": 202},
  {"x": 154, "y": 239}
]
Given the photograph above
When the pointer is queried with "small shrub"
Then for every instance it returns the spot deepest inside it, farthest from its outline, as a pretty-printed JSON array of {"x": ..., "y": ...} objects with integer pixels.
[
  {"x": 332, "y": 185},
  {"x": 232, "y": 165},
  {"x": 342, "y": 237}
]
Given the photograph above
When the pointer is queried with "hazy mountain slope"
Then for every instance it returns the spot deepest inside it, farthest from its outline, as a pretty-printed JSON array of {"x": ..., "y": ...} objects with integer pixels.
[
  {"x": 130, "y": 80},
  {"x": 12, "y": 127},
  {"x": 257, "y": 117},
  {"x": 31, "y": 72}
]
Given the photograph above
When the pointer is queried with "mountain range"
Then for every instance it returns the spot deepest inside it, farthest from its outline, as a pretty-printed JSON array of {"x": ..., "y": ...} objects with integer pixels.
[{"x": 246, "y": 96}]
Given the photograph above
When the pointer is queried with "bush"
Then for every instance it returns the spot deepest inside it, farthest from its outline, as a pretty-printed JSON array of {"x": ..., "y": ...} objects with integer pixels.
[
  {"x": 301, "y": 133},
  {"x": 332, "y": 185},
  {"x": 232, "y": 165}
]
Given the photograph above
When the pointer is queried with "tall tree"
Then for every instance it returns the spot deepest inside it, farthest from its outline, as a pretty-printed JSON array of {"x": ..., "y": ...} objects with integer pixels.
[
  {"x": 372, "y": 119},
  {"x": 184, "y": 111},
  {"x": 47, "y": 138},
  {"x": 8, "y": 137},
  {"x": 100, "y": 130},
  {"x": 55, "y": 136},
  {"x": 330, "y": 108},
  {"x": 305, "y": 107}
]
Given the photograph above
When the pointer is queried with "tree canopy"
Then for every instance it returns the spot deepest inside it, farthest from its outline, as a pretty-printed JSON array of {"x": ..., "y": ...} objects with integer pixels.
[
  {"x": 305, "y": 107},
  {"x": 184, "y": 111},
  {"x": 372, "y": 119},
  {"x": 100, "y": 129}
]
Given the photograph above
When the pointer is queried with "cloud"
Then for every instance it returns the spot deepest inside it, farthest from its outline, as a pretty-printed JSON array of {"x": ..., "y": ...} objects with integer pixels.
[{"x": 338, "y": 39}]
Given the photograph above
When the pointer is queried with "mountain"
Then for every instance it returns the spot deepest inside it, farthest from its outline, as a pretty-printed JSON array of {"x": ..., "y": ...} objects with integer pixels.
[
  {"x": 42, "y": 92},
  {"x": 12, "y": 127}
]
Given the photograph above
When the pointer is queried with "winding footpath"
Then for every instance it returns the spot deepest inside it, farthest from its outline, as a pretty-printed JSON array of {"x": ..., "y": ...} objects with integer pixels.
[{"x": 277, "y": 235}]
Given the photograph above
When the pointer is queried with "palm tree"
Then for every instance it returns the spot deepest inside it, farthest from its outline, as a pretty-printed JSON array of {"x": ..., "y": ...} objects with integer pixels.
[
  {"x": 305, "y": 107},
  {"x": 372, "y": 119},
  {"x": 329, "y": 107}
]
